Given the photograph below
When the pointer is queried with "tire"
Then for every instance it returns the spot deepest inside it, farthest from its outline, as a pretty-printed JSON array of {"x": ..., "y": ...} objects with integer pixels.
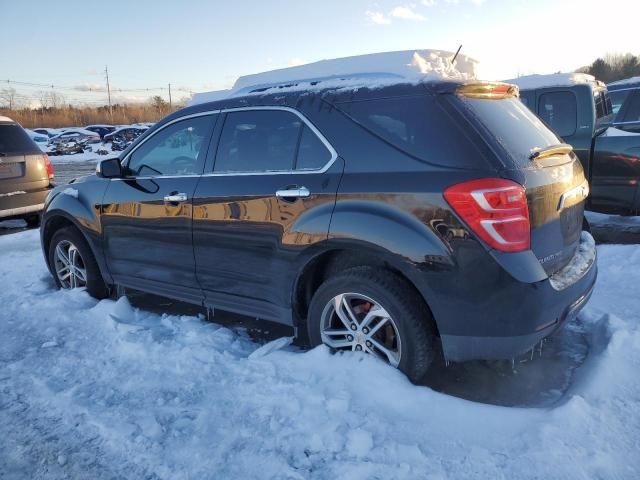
[
  {"x": 32, "y": 220},
  {"x": 408, "y": 332},
  {"x": 70, "y": 237}
]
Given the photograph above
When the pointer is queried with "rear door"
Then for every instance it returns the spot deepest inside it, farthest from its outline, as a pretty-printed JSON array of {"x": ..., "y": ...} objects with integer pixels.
[
  {"x": 555, "y": 184},
  {"x": 268, "y": 196},
  {"x": 22, "y": 166},
  {"x": 616, "y": 162},
  {"x": 147, "y": 216}
]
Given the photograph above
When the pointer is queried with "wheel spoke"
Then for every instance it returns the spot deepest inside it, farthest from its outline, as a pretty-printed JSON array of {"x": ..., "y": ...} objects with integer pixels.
[
  {"x": 390, "y": 355},
  {"x": 337, "y": 304},
  {"x": 81, "y": 274},
  {"x": 337, "y": 343},
  {"x": 378, "y": 326},
  {"x": 61, "y": 254},
  {"x": 375, "y": 312},
  {"x": 349, "y": 310},
  {"x": 336, "y": 332}
]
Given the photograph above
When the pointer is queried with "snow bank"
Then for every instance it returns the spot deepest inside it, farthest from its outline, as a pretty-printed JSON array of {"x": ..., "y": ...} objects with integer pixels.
[
  {"x": 103, "y": 390},
  {"x": 531, "y": 82},
  {"x": 363, "y": 70}
]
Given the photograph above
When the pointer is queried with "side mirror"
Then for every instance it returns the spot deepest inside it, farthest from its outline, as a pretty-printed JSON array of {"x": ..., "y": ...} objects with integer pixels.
[{"x": 109, "y": 168}]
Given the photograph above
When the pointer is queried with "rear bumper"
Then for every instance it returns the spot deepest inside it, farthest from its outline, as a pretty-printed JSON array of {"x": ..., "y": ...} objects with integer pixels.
[
  {"x": 461, "y": 348},
  {"x": 484, "y": 312},
  {"x": 22, "y": 204}
]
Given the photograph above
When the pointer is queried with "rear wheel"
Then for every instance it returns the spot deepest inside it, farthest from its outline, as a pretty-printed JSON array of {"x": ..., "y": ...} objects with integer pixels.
[
  {"x": 373, "y": 311},
  {"x": 73, "y": 263}
]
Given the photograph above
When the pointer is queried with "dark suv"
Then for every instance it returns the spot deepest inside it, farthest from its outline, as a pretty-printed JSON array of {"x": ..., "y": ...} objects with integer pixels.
[
  {"x": 382, "y": 220},
  {"x": 26, "y": 174}
]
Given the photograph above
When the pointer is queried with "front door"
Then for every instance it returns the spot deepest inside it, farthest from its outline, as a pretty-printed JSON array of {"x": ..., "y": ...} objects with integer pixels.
[
  {"x": 147, "y": 216},
  {"x": 269, "y": 197}
]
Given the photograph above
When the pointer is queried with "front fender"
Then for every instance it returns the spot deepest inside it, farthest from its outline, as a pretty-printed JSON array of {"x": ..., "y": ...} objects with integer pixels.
[{"x": 77, "y": 204}]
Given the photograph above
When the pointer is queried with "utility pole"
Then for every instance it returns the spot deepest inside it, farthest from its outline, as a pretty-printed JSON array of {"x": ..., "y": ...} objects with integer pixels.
[
  {"x": 169, "y": 96},
  {"x": 106, "y": 72}
]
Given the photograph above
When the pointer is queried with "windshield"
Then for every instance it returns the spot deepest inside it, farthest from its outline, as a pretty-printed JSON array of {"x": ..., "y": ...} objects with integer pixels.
[{"x": 515, "y": 127}]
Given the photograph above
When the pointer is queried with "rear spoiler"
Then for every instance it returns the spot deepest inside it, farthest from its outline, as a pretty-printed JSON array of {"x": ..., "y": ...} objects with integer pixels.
[
  {"x": 560, "y": 149},
  {"x": 489, "y": 90}
]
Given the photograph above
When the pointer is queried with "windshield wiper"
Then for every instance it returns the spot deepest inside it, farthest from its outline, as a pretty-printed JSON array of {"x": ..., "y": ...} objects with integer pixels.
[{"x": 560, "y": 149}]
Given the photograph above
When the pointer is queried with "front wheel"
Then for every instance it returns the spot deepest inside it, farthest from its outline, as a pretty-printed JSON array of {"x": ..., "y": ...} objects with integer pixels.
[
  {"x": 374, "y": 311},
  {"x": 73, "y": 264}
]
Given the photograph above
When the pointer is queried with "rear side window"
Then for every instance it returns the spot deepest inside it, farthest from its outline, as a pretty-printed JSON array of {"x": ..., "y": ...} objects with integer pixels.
[
  {"x": 632, "y": 113},
  {"x": 513, "y": 125},
  {"x": 617, "y": 99},
  {"x": 559, "y": 111},
  {"x": 312, "y": 153},
  {"x": 13, "y": 139},
  {"x": 417, "y": 125}
]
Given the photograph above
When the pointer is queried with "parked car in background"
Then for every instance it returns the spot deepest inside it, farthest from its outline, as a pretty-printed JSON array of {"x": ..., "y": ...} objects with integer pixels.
[
  {"x": 49, "y": 132},
  {"x": 625, "y": 98},
  {"x": 101, "y": 130},
  {"x": 75, "y": 134},
  {"x": 122, "y": 137},
  {"x": 383, "y": 220},
  {"x": 26, "y": 174},
  {"x": 578, "y": 108},
  {"x": 37, "y": 137}
]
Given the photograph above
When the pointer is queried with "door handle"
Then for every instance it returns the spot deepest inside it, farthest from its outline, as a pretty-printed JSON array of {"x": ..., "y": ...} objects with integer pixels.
[
  {"x": 295, "y": 192},
  {"x": 175, "y": 198}
]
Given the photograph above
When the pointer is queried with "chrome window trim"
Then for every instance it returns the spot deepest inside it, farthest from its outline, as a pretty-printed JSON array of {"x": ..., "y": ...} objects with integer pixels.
[
  {"x": 305, "y": 120},
  {"x": 125, "y": 160},
  {"x": 637, "y": 87}
]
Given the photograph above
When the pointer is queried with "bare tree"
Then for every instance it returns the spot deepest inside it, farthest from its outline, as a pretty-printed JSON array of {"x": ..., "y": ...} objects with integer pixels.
[{"x": 9, "y": 97}]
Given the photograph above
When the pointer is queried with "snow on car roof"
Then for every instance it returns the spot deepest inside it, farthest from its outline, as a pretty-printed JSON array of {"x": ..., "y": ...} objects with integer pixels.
[
  {"x": 77, "y": 130},
  {"x": 626, "y": 81},
  {"x": 531, "y": 82},
  {"x": 372, "y": 70},
  {"x": 5, "y": 119},
  {"x": 127, "y": 127}
]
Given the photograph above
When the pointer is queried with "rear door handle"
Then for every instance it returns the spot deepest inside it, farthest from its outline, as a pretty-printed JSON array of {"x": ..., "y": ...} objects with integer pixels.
[
  {"x": 295, "y": 192},
  {"x": 175, "y": 198}
]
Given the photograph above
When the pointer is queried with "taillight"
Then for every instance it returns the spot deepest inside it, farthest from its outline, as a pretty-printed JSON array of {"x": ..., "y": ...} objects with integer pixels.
[
  {"x": 495, "y": 209},
  {"x": 47, "y": 163}
]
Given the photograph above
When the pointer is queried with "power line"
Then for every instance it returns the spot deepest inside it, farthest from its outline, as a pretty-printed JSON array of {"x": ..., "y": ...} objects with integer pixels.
[{"x": 91, "y": 89}]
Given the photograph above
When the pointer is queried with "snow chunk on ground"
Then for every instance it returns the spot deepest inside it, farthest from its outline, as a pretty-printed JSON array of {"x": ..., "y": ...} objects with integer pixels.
[
  {"x": 372, "y": 70},
  {"x": 531, "y": 82}
]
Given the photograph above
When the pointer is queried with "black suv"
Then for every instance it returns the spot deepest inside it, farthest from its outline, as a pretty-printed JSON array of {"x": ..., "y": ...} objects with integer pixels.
[{"x": 381, "y": 220}]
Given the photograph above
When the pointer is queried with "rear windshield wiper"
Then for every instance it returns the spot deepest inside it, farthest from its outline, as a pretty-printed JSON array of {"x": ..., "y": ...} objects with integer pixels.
[
  {"x": 560, "y": 149},
  {"x": 2, "y": 154}
]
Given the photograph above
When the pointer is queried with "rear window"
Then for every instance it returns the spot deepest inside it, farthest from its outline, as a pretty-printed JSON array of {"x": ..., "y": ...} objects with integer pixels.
[
  {"x": 13, "y": 139},
  {"x": 514, "y": 126},
  {"x": 417, "y": 125},
  {"x": 617, "y": 99},
  {"x": 559, "y": 110}
]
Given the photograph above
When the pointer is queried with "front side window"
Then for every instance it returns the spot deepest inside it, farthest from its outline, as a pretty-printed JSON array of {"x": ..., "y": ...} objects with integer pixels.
[
  {"x": 258, "y": 141},
  {"x": 559, "y": 111},
  {"x": 177, "y": 149}
]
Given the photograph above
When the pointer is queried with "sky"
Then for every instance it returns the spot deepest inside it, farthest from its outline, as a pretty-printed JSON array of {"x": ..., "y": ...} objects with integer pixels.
[{"x": 199, "y": 45}]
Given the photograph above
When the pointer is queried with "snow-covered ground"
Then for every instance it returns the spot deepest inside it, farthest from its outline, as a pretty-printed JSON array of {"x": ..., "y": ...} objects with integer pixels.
[
  {"x": 102, "y": 390},
  {"x": 80, "y": 157}
]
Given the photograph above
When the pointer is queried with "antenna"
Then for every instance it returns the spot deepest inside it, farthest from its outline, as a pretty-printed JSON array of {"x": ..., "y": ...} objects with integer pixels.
[{"x": 456, "y": 55}]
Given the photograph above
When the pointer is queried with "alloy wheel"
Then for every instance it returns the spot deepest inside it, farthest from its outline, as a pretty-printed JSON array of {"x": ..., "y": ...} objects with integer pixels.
[
  {"x": 352, "y": 321},
  {"x": 69, "y": 265}
]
